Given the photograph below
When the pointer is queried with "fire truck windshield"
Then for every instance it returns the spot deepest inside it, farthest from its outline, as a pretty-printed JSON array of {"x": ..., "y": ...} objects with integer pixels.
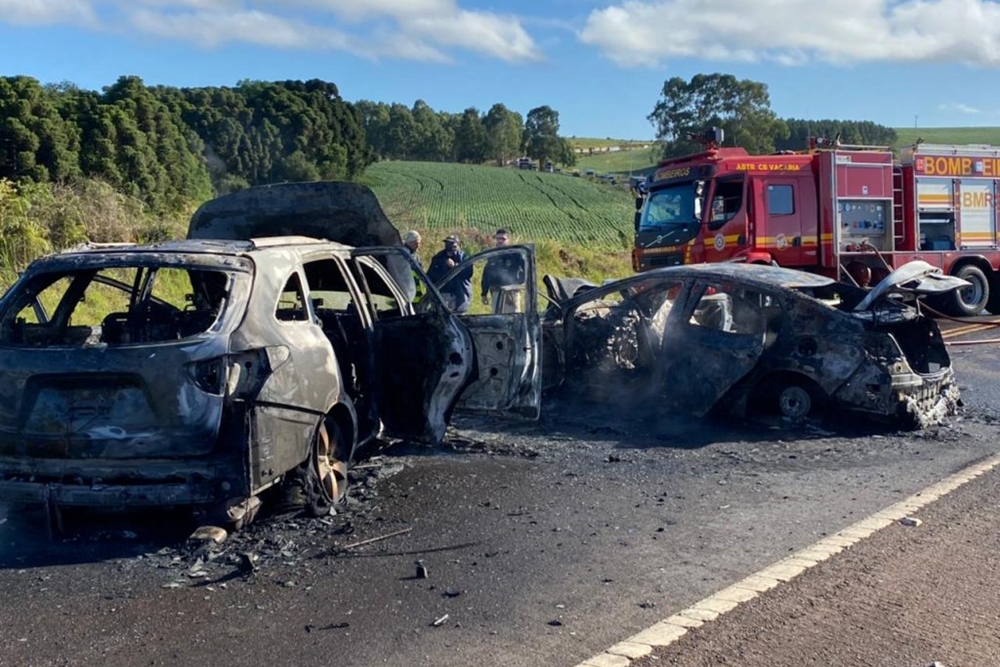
[{"x": 672, "y": 212}]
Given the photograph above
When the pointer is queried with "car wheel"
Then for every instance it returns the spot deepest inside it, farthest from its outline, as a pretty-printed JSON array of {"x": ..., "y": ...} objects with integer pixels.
[
  {"x": 794, "y": 402},
  {"x": 970, "y": 301},
  {"x": 322, "y": 478},
  {"x": 788, "y": 395}
]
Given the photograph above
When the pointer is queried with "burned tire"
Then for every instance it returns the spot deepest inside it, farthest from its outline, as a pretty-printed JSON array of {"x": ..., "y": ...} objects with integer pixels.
[
  {"x": 794, "y": 402},
  {"x": 972, "y": 300},
  {"x": 791, "y": 397},
  {"x": 320, "y": 482}
]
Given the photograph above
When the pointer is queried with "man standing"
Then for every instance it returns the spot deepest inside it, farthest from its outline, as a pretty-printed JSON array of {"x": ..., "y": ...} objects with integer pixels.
[
  {"x": 412, "y": 243},
  {"x": 457, "y": 292},
  {"x": 404, "y": 273},
  {"x": 502, "y": 276}
]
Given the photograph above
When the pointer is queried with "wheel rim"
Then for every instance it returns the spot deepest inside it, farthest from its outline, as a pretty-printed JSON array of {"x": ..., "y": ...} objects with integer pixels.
[
  {"x": 972, "y": 295},
  {"x": 331, "y": 473},
  {"x": 794, "y": 402}
]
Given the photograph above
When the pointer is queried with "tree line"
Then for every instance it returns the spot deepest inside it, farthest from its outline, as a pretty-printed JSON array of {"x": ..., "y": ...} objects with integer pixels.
[
  {"x": 742, "y": 109},
  {"x": 173, "y": 147}
]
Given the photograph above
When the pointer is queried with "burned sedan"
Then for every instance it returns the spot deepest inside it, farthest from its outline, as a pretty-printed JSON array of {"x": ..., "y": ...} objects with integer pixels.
[
  {"x": 202, "y": 372},
  {"x": 745, "y": 339}
]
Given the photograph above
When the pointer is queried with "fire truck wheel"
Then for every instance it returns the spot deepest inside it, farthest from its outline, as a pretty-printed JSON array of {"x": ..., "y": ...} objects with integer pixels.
[{"x": 972, "y": 300}]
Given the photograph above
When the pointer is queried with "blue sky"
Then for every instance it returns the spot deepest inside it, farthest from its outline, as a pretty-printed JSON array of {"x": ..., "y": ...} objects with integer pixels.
[{"x": 600, "y": 63}]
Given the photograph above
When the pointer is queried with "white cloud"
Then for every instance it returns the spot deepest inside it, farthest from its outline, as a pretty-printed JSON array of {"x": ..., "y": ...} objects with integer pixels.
[
  {"x": 961, "y": 108},
  {"x": 648, "y": 32},
  {"x": 210, "y": 29},
  {"x": 424, "y": 30},
  {"x": 47, "y": 12}
]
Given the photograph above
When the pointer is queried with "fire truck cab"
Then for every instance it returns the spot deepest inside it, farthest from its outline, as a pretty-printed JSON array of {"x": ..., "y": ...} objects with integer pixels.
[{"x": 853, "y": 213}]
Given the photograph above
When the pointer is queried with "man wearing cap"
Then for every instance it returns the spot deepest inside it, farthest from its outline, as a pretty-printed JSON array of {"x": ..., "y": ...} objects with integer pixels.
[
  {"x": 457, "y": 292},
  {"x": 502, "y": 276}
]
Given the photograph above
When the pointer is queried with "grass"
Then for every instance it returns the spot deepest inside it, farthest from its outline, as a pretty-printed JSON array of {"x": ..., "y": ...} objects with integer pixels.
[
  {"x": 579, "y": 227},
  {"x": 585, "y": 142},
  {"x": 534, "y": 206},
  {"x": 948, "y": 135}
]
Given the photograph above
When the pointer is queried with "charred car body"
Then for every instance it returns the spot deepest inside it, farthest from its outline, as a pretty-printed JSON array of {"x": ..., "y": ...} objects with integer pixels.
[
  {"x": 739, "y": 339},
  {"x": 202, "y": 372}
]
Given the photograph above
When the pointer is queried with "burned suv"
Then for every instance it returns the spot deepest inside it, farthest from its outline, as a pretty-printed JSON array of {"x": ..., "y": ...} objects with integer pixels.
[{"x": 202, "y": 372}]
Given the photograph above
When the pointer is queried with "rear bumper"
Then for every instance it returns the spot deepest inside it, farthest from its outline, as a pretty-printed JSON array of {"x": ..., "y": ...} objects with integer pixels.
[
  {"x": 909, "y": 399},
  {"x": 133, "y": 483},
  {"x": 134, "y": 495}
]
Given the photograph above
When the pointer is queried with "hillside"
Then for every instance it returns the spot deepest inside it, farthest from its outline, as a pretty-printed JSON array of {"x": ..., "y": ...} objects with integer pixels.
[{"x": 533, "y": 205}]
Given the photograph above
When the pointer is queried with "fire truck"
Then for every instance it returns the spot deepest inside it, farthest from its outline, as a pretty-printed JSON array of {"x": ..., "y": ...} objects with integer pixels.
[{"x": 853, "y": 213}]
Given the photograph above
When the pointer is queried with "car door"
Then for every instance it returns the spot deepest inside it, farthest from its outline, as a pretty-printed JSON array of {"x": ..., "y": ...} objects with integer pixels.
[
  {"x": 422, "y": 356},
  {"x": 712, "y": 343},
  {"x": 504, "y": 325}
]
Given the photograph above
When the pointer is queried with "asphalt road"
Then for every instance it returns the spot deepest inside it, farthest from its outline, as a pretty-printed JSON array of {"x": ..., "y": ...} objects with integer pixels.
[{"x": 544, "y": 543}]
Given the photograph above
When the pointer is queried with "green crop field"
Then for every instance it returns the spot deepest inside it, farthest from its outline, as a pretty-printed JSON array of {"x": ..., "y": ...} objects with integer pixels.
[
  {"x": 533, "y": 205},
  {"x": 635, "y": 161},
  {"x": 579, "y": 227},
  {"x": 948, "y": 135}
]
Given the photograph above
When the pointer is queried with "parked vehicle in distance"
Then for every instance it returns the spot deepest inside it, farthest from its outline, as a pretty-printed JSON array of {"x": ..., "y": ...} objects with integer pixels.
[
  {"x": 741, "y": 339},
  {"x": 259, "y": 351}
]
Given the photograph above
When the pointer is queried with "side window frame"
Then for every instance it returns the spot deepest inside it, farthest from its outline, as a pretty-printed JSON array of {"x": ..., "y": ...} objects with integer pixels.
[{"x": 308, "y": 315}]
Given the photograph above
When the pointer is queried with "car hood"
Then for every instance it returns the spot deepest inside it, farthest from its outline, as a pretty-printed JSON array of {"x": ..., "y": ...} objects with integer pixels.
[
  {"x": 347, "y": 213},
  {"x": 914, "y": 278}
]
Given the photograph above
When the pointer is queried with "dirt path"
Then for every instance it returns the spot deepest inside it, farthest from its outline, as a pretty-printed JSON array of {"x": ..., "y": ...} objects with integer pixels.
[{"x": 905, "y": 597}]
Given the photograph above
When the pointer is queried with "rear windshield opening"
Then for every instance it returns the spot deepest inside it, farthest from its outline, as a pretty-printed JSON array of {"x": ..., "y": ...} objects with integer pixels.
[{"x": 114, "y": 306}]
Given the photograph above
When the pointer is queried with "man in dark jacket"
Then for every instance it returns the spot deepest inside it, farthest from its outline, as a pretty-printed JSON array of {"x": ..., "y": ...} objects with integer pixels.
[
  {"x": 457, "y": 292},
  {"x": 502, "y": 276}
]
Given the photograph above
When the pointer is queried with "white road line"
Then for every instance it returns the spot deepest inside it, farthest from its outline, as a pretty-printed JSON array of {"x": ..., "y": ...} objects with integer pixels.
[{"x": 673, "y": 628}]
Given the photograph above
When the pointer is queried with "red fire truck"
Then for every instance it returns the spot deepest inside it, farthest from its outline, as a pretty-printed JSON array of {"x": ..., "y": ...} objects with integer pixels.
[{"x": 844, "y": 211}]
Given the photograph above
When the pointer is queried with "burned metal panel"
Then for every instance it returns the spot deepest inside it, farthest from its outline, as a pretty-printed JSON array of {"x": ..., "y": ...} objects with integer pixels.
[
  {"x": 507, "y": 340},
  {"x": 348, "y": 213},
  {"x": 109, "y": 403},
  {"x": 424, "y": 362}
]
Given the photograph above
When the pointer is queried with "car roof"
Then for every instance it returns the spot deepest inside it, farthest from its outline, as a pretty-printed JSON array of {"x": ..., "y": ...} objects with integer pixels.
[
  {"x": 761, "y": 275},
  {"x": 216, "y": 247}
]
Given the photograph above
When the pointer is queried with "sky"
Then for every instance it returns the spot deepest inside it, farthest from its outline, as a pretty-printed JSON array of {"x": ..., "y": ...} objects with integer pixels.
[{"x": 600, "y": 63}]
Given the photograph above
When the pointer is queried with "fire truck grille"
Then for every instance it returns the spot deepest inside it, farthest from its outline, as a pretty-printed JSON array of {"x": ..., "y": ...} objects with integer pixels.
[{"x": 671, "y": 259}]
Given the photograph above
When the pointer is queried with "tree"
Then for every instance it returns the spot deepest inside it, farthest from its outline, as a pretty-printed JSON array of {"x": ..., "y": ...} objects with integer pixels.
[
  {"x": 541, "y": 134},
  {"x": 400, "y": 133},
  {"x": 742, "y": 108},
  {"x": 432, "y": 141},
  {"x": 470, "y": 137},
  {"x": 504, "y": 129},
  {"x": 864, "y": 133},
  {"x": 36, "y": 142}
]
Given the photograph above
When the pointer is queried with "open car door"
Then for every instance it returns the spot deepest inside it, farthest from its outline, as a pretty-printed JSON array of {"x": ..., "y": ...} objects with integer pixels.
[
  {"x": 422, "y": 356},
  {"x": 506, "y": 333}
]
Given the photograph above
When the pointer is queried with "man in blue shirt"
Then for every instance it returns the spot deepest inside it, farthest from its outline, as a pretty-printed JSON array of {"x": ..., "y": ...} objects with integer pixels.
[{"x": 457, "y": 292}]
